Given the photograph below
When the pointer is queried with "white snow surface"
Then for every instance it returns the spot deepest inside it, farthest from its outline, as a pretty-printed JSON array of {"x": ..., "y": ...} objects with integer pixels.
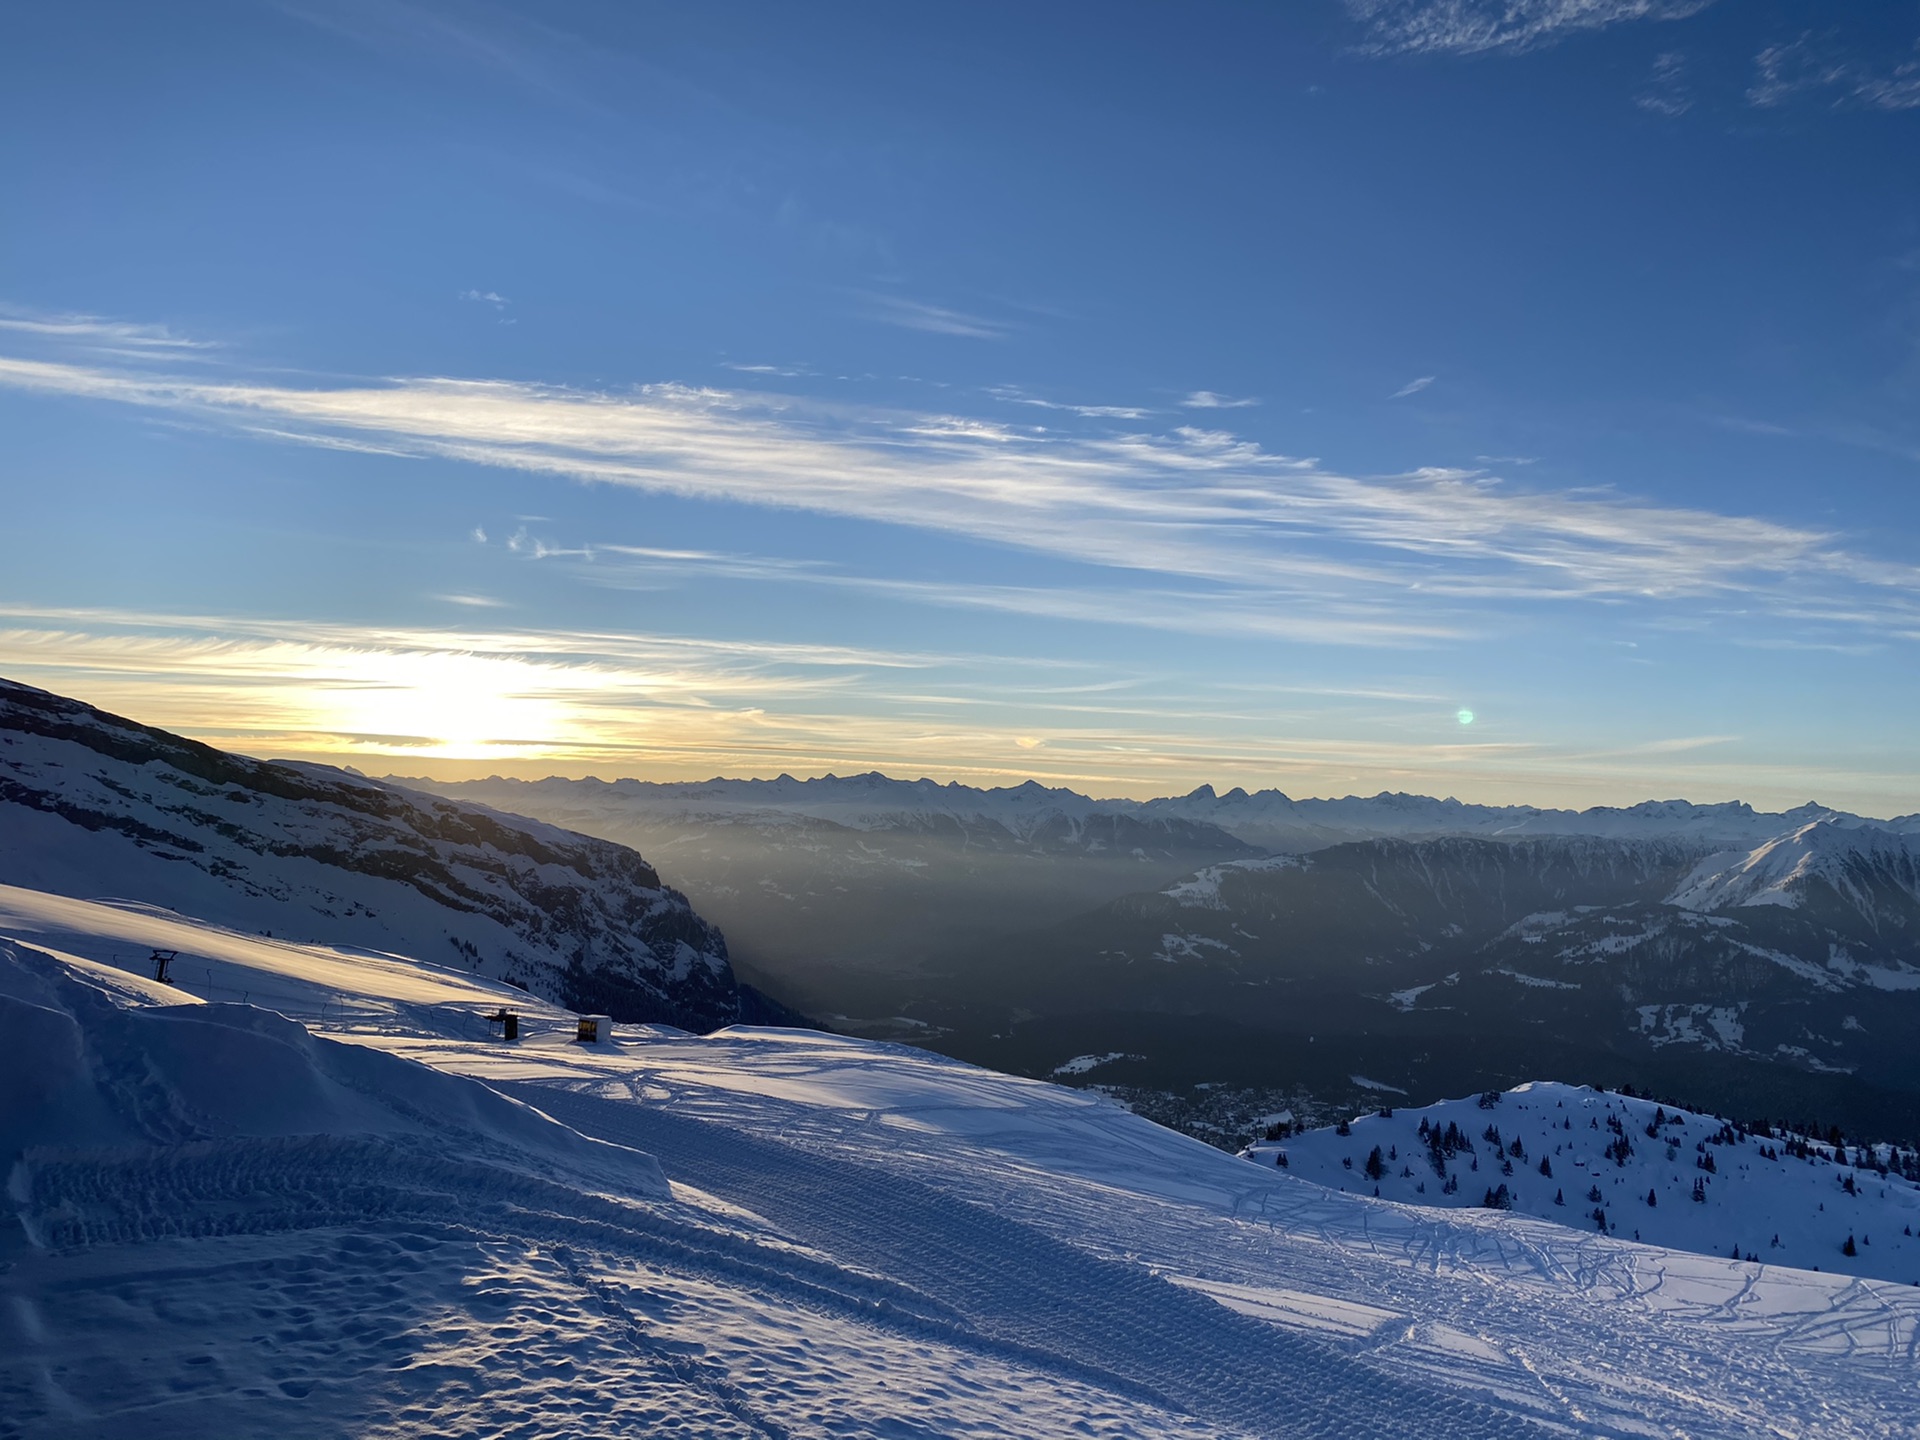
[
  {"x": 1081, "y": 1064},
  {"x": 230, "y": 1221},
  {"x": 94, "y": 1067},
  {"x": 1779, "y": 871},
  {"x": 1786, "y": 1210},
  {"x": 1201, "y": 890}
]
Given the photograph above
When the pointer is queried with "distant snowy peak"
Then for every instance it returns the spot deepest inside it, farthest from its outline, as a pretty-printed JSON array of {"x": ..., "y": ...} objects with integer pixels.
[
  {"x": 1267, "y": 819},
  {"x": 1276, "y": 821},
  {"x": 861, "y": 802},
  {"x": 92, "y": 804},
  {"x": 1874, "y": 872},
  {"x": 1032, "y": 815}
]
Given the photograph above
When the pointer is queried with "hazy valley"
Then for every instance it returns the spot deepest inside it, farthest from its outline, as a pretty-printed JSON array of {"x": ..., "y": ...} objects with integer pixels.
[{"x": 1769, "y": 963}]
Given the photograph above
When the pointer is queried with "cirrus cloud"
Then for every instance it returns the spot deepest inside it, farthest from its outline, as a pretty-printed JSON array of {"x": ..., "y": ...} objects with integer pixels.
[
  {"x": 1468, "y": 27},
  {"x": 1205, "y": 507}
]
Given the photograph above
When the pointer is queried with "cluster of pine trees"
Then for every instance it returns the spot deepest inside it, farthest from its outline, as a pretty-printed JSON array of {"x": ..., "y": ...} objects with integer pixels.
[{"x": 1444, "y": 1145}]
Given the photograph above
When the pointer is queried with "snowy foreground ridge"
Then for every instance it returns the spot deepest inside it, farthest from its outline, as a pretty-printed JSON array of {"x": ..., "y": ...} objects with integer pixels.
[
  {"x": 356, "y": 1213},
  {"x": 1671, "y": 1177}
]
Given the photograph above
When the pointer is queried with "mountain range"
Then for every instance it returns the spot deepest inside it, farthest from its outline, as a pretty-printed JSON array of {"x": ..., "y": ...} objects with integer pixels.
[
  {"x": 1045, "y": 817},
  {"x": 1761, "y": 962},
  {"x": 841, "y": 895}
]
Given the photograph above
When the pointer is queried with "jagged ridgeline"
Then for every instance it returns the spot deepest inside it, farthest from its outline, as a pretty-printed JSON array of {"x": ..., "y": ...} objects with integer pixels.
[{"x": 95, "y": 805}]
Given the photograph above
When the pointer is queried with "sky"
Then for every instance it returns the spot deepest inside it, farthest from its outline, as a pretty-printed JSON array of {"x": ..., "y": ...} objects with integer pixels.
[{"x": 1510, "y": 399}]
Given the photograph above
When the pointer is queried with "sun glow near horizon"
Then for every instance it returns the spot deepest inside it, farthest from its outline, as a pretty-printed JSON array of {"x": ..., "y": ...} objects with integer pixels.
[{"x": 462, "y": 705}]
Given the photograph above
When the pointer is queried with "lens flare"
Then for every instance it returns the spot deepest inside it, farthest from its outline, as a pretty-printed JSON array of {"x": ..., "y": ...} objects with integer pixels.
[{"x": 1465, "y": 717}]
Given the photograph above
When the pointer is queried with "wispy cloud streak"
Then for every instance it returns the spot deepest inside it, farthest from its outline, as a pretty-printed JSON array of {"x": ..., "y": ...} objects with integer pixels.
[
  {"x": 1209, "y": 400},
  {"x": 909, "y": 314},
  {"x": 1190, "y": 502},
  {"x": 1467, "y": 27},
  {"x": 1013, "y": 395},
  {"x": 1808, "y": 65},
  {"x": 95, "y": 332}
]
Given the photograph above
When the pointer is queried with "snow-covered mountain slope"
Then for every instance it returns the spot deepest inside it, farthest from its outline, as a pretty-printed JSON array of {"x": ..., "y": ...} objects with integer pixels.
[
  {"x": 1670, "y": 1177},
  {"x": 861, "y": 1240},
  {"x": 1870, "y": 876},
  {"x": 329, "y": 985},
  {"x": 92, "y": 804}
]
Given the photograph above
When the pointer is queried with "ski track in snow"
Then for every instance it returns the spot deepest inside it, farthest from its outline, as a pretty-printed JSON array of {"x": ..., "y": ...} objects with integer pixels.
[
  {"x": 864, "y": 1240},
  {"x": 1016, "y": 1284}
]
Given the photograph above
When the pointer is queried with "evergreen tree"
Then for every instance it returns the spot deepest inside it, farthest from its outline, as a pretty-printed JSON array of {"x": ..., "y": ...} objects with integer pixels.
[{"x": 1376, "y": 1164}]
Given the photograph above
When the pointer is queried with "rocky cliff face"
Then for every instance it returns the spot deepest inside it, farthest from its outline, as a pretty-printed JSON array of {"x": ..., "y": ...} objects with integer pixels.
[{"x": 95, "y": 805}]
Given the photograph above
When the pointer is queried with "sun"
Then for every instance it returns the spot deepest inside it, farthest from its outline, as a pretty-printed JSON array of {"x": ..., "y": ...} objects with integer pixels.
[{"x": 448, "y": 705}]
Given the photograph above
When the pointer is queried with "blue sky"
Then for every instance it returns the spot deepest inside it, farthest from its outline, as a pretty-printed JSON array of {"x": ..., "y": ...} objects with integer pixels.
[{"x": 1126, "y": 396}]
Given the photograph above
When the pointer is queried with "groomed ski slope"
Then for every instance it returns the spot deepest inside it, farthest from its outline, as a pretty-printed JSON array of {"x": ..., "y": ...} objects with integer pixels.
[{"x": 258, "y": 1229}]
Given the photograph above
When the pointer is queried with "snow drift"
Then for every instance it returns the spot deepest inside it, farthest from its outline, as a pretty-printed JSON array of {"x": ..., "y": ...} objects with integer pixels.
[{"x": 93, "y": 1063}]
